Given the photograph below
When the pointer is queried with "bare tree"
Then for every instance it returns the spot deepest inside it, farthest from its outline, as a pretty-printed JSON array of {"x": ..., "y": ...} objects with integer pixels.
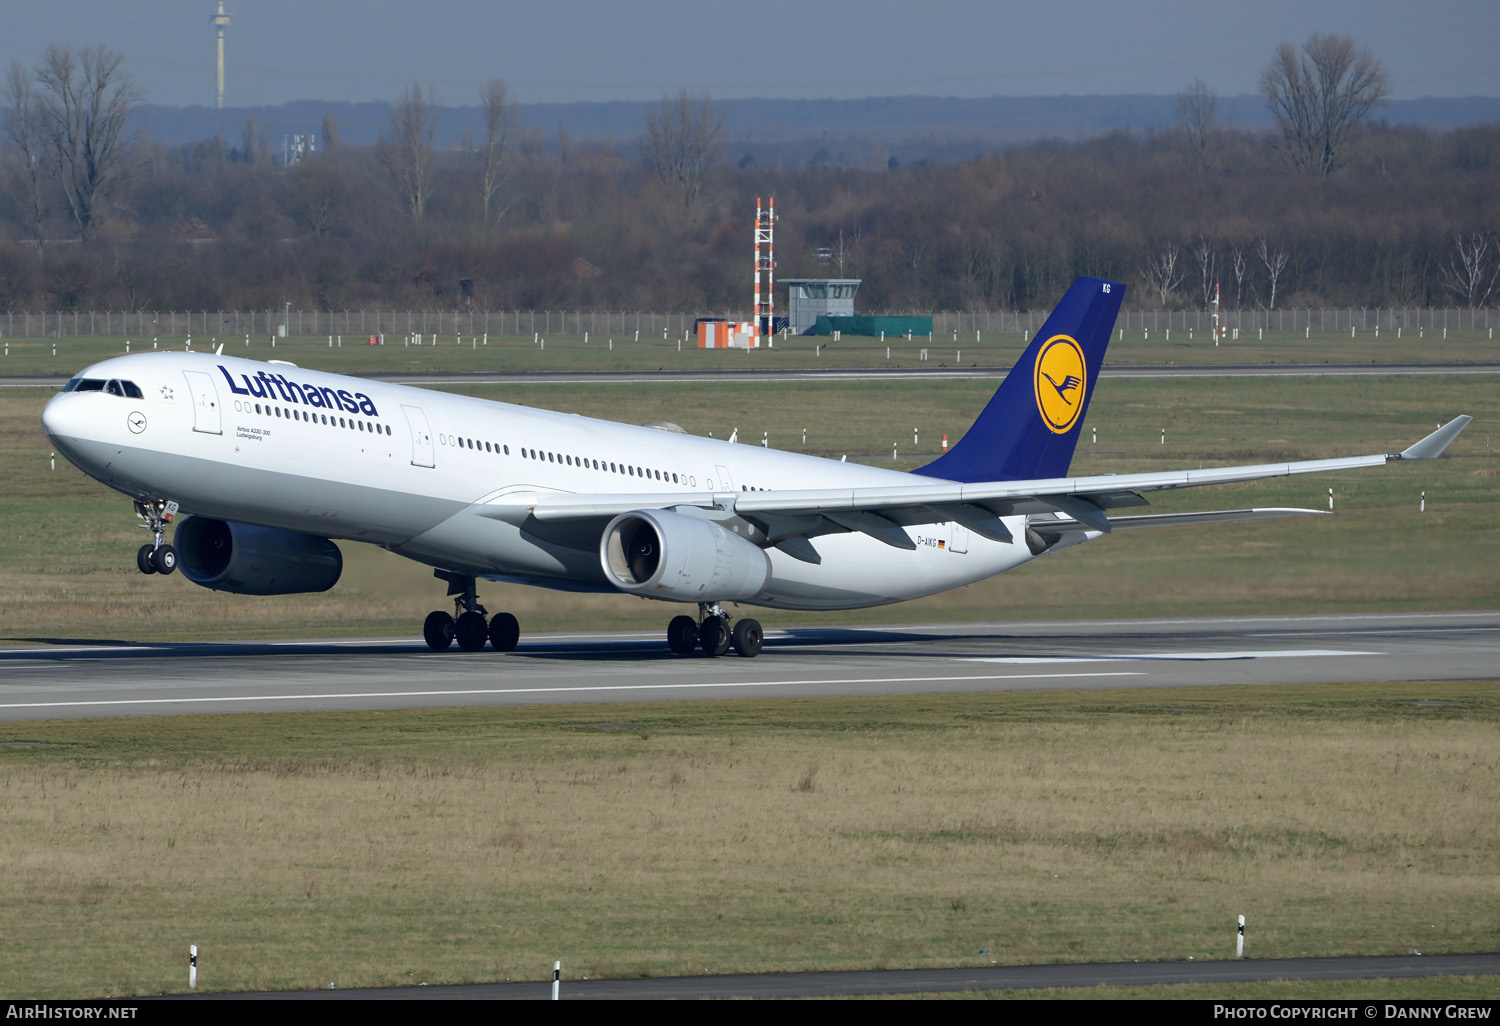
[
  {"x": 1197, "y": 106},
  {"x": 1207, "y": 260},
  {"x": 845, "y": 248},
  {"x": 1319, "y": 97},
  {"x": 317, "y": 195},
  {"x": 23, "y": 127},
  {"x": 500, "y": 121},
  {"x": 1160, "y": 272},
  {"x": 248, "y": 152},
  {"x": 84, "y": 100},
  {"x": 1275, "y": 261},
  {"x": 1472, "y": 272},
  {"x": 684, "y": 137},
  {"x": 1238, "y": 261},
  {"x": 408, "y": 153},
  {"x": 333, "y": 138}
]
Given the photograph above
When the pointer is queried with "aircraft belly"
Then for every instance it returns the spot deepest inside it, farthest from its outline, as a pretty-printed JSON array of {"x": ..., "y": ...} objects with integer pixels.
[
  {"x": 485, "y": 547},
  {"x": 859, "y": 571},
  {"x": 295, "y": 502}
]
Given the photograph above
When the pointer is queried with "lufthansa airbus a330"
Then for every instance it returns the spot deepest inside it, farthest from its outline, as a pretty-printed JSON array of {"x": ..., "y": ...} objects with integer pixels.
[{"x": 267, "y": 462}]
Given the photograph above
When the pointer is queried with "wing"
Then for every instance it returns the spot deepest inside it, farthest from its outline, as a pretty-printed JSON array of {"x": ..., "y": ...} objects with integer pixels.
[{"x": 787, "y": 518}]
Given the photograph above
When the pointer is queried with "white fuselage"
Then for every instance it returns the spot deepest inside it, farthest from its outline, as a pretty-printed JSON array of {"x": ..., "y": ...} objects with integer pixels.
[{"x": 413, "y": 470}]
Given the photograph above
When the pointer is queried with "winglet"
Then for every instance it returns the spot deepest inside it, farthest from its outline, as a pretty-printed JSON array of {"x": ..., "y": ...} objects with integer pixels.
[{"x": 1433, "y": 445}]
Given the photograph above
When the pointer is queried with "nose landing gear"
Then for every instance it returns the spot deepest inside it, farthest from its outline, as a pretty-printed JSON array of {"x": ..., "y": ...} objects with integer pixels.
[{"x": 156, "y": 557}]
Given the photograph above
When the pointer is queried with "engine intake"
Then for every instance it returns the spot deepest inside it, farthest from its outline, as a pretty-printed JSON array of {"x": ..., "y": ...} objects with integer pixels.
[
  {"x": 248, "y": 560},
  {"x": 666, "y": 555}
]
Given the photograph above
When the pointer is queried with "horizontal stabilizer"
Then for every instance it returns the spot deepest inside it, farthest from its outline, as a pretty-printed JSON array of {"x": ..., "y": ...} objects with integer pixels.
[{"x": 1212, "y": 516}]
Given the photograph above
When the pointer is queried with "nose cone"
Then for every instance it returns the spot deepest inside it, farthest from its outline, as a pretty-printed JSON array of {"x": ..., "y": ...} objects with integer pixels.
[
  {"x": 66, "y": 424},
  {"x": 56, "y": 421}
]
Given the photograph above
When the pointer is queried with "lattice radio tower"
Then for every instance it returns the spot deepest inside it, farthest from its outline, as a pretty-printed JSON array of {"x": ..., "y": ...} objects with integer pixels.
[
  {"x": 765, "y": 230},
  {"x": 1218, "y": 325}
]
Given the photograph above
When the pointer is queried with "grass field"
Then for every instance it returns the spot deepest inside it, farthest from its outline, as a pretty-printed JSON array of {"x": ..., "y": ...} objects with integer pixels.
[
  {"x": 69, "y": 542},
  {"x": 446, "y": 845},
  {"x": 513, "y": 354},
  {"x": 449, "y": 845}
]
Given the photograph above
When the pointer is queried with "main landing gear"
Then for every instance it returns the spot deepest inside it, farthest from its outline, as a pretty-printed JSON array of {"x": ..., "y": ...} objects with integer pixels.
[
  {"x": 156, "y": 557},
  {"x": 713, "y": 633},
  {"x": 470, "y": 626}
]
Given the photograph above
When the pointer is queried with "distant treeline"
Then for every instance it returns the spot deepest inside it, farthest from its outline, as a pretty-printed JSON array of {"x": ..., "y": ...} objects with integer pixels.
[
  {"x": 913, "y": 128},
  {"x": 221, "y": 224}
]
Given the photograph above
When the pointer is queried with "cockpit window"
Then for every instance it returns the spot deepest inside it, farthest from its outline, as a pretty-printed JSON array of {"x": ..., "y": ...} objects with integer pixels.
[{"x": 114, "y": 386}]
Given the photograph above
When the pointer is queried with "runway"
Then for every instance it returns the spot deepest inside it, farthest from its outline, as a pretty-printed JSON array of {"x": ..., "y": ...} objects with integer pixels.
[
  {"x": 74, "y": 680},
  {"x": 67, "y": 680}
]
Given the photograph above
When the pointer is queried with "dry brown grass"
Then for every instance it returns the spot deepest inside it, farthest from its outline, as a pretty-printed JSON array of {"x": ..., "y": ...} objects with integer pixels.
[{"x": 482, "y": 844}]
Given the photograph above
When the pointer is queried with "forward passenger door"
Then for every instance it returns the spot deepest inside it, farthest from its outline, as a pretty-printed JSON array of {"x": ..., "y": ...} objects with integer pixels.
[{"x": 421, "y": 437}]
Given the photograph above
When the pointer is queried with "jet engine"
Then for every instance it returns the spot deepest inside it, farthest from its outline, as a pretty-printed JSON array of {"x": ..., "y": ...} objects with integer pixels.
[
  {"x": 666, "y": 555},
  {"x": 249, "y": 560}
]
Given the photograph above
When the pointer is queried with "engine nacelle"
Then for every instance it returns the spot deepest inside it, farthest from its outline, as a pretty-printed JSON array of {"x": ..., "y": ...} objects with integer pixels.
[
  {"x": 249, "y": 560},
  {"x": 666, "y": 555}
]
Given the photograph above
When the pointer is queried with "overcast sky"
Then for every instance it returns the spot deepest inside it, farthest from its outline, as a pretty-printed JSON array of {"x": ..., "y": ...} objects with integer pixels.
[{"x": 566, "y": 50}]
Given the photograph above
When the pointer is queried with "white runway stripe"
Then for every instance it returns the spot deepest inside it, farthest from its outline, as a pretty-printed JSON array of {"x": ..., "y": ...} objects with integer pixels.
[
  {"x": 551, "y": 691},
  {"x": 1116, "y": 657}
]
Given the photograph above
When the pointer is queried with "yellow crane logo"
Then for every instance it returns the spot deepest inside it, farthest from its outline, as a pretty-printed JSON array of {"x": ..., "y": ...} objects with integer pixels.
[{"x": 1060, "y": 383}]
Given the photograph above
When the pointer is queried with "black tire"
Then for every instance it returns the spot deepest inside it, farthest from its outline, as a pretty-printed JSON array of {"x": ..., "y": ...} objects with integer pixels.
[
  {"x": 437, "y": 630},
  {"x": 505, "y": 631},
  {"x": 748, "y": 637},
  {"x": 682, "y": 635},
  {"x": 164, "y": 560},
  {"x": 143, "y": 561},
  {"x": 470, "y": 631},
  {"x": 713, "y": 636}
]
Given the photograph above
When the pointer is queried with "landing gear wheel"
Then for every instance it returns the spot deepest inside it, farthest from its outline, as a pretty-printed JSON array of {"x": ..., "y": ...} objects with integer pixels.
[
  {"x": 437, "y": 631},
  {"x": 470, "y": 631},
  {"x": 682, "y": 635},
  {"x": 747, "y": 637},
  {"x": 504, "y": 632},
  {"x": 713, "y": 635},
  {"x": 143, "y": 559},
  {"x": 164, "y": 560}
]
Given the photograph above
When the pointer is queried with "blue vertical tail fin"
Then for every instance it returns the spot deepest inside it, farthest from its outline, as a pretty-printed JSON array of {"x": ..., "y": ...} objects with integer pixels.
[{"x": 1030, "y": 427}]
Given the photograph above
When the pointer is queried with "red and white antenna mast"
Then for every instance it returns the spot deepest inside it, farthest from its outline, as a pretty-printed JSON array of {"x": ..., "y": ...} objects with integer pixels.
[
  {"x": 765, "y": 221},
  {"x": 1218, "y": 331}
]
